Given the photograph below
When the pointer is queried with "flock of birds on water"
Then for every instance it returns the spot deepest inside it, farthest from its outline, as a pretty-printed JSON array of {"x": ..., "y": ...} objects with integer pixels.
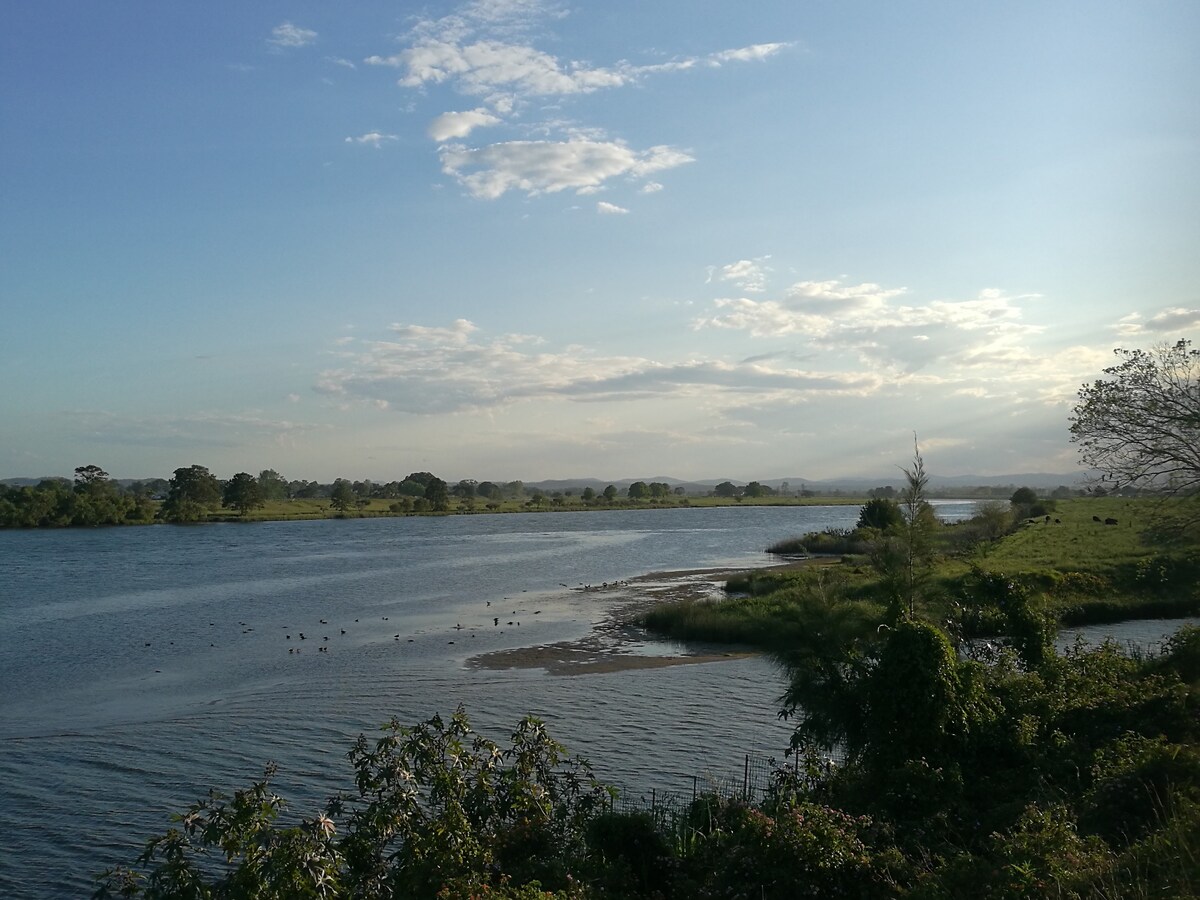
[{"x": 323, "y": 646}]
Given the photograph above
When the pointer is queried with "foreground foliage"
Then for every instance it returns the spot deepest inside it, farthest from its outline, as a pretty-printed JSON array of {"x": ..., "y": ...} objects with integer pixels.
[
  {"x": 1075, "y": 777},
  {"x": 437, "y": 809}
]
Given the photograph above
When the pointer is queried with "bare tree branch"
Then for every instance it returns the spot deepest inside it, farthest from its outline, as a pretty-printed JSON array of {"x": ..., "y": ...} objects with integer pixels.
[{"x": 1141, "y": 426}]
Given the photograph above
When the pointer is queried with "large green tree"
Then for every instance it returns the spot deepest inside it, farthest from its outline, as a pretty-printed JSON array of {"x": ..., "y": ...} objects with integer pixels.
[
  {"x": 191, "y": 494},
  {"x": 341, "y": 497},
  {"x": 437, "y": 492},
  {"x": 243, "y": 492},
  {"x": 274, "y": 486}
]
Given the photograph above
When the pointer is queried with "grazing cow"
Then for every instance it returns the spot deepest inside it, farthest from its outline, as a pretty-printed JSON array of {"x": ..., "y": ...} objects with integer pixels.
[
  {"x": 1096, "y": 519},
  {"x": 1058, "y": 521},
  {"x": 1110, "y": 521},
  {"x": 1047, "y": 520}
]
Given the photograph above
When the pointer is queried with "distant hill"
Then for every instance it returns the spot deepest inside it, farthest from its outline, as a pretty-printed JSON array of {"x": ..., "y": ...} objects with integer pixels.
[
  {"x": 858, "y": 484},
  {"x": 1036, "y": 480}
]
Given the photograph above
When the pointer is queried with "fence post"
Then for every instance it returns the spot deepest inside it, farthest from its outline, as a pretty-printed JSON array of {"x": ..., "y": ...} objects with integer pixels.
[
  {"x": 746, "y": 780},
  {"x": 693, "y": 788},
  {"x": 653, "y": 804}
]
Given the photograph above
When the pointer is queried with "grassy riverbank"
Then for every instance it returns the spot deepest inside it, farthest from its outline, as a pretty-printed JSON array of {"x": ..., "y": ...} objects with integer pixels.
[
  {"x": 290, "y": 510},
  {"x": 1078, "y": 570}
]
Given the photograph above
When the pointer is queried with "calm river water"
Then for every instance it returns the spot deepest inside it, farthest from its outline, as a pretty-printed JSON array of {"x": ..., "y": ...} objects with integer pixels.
[{"x": 142, "y": 666}]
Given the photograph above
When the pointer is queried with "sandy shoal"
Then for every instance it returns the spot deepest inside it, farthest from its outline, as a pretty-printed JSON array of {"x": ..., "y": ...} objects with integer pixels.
[{"x": 618, "y": 643}]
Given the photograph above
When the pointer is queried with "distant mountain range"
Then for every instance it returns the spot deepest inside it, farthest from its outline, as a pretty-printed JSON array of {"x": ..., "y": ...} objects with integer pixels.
[{"x": 1047, "y": 480}]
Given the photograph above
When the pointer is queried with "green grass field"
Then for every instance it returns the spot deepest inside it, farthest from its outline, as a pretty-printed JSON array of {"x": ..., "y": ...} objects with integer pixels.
[
  {"x": 1074, "y": 542},
  {"x": 285, "y": 510},
  {"x": 1081, "y": 570}
]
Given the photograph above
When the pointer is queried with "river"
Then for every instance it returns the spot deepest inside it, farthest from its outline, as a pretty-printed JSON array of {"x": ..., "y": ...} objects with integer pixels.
[{"x": 143, "y": 665}]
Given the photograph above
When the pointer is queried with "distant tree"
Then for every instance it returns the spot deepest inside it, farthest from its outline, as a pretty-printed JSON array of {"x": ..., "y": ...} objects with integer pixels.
[
  {"x": 273, "y": 485},
  {"x": 993, "y": 519},
  {"x": 887, "y": 492},
  {"x": 466, "y": 489},
  {"x": 1140, "y": 426},
  {"x": 754, "y": 489},
  {"x": 363, "y": 489},
  {"x": 785, "y": 489},
  {"x": 514, "y": 490},
  {"x": 488, "y": 490},
  {"x": 87, "y": 476},
  {"x": 659, "y": 490},
  {"x": 421, "y": 478},
  {"x": 610, "y": 493},
  {"x": 1024, "y": 496},
  {"x": 149, "y": 487},
  {"x": 305, "y": 490},
  {"x": 725, "y": 489},
  {"x": 410, "y": 488},
  {"x": 98, "y": 501},
  {"x": 588, "y": 495},
  {"x": 341, "y": 497},
  {"x": 191, "y": 494},
  {"x": 437, "y": 493},
  {"x": 880, "y": 513},
  {"x": 639, "y": 490},
  {"x": 243, "y": 493}
]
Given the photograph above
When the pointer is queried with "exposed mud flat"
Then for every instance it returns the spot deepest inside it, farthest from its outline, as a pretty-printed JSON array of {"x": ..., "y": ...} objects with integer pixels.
[{"x": 617, "y": 643}]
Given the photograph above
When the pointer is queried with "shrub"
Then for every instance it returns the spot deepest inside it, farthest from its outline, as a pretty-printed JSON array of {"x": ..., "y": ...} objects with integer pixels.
[{"x": 439, "y": 810}]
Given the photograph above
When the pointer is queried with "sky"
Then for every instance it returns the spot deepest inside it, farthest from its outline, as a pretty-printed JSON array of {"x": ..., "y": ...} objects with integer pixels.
[{"x": 525, "y": 239}]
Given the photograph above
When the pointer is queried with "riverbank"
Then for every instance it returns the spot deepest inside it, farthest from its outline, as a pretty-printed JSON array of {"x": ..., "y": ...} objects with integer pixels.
[
  {"x": 59, "y": 509},
  {"x": 620, "y": 641}
]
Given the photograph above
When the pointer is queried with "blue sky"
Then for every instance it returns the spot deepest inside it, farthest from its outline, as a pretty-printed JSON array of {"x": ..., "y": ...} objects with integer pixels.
[{"x": 525, "y": 239}]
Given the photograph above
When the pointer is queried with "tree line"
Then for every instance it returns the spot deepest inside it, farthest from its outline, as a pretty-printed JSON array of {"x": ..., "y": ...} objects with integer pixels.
[{"x": 193, "y": 493}]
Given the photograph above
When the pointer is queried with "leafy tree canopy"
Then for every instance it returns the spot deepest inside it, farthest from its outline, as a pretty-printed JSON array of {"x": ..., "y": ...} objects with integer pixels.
[
  {"x": 191, "y": 493},
  {"x": 243, "y": 493},
  {"x": 1140, "y": 425},
  {"x": 881, "y": 513}
]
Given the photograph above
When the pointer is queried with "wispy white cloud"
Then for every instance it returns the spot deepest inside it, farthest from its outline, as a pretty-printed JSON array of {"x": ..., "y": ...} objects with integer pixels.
[
  {"x": 289, "y": 36},
  {"x": 459, "y": 124},
  {"x": 439, "y": 370},
  {"x": 610, "y": 209},
  {"x": 372, "y": 139},
  {"x": 1171, "y": 321},
  {"x": 339, "y": 61},
  {"x": 651, "y": 187},
  {"x": 747, "y": 54},
  {"x": 748, "y": 274},
  {"x": 983, "y": 344},
  {"x": 486, "y": 66},
  {"x": 539, "y": 167},
  {"x": 489, "y": 49}
]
